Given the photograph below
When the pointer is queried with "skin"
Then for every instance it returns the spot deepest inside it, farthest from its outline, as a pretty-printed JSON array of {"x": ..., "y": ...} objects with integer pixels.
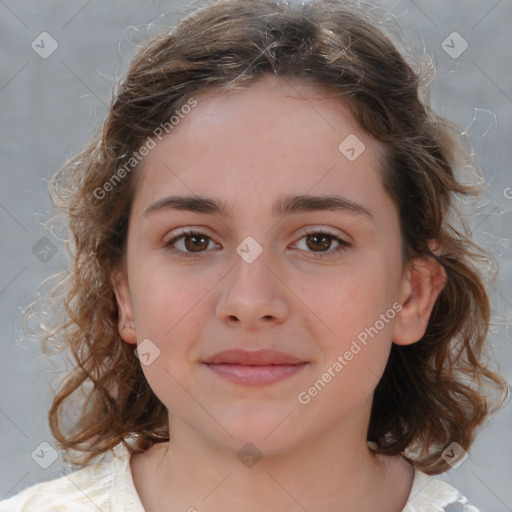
[{"x": 249, "y": 148}]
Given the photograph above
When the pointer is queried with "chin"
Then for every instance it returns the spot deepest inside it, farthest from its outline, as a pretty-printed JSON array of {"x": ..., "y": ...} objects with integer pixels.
[{"x": 266, "y": 430}]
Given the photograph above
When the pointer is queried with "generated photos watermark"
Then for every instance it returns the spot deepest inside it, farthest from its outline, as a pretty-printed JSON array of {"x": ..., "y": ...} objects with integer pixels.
[
  {"x": 137, "y": 156},
  {"x": 337, "y": 366}
]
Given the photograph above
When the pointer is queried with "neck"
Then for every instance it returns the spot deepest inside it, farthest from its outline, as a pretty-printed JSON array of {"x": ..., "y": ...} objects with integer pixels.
[{"x": 330, "y": 472}]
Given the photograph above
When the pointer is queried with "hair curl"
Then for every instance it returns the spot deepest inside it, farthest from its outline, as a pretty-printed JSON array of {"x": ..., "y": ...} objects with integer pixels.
[{"x": 430, "y": 392}]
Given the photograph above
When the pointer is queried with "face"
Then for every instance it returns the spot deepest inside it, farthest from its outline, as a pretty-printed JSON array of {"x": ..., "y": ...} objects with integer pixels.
[{"x": 322, "y": 282}]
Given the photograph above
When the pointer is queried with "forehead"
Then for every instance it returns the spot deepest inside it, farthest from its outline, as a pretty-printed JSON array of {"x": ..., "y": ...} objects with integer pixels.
[{"x": 271, "y": 138}]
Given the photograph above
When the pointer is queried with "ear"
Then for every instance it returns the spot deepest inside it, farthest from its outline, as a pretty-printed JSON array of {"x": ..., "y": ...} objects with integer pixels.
[
  {"x": 126, "y": 325},
  {"x": 421, "y": 285}
]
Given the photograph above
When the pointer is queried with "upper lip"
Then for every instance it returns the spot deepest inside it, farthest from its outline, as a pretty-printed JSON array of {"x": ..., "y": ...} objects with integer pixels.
[{"x": 256, "y": 357}]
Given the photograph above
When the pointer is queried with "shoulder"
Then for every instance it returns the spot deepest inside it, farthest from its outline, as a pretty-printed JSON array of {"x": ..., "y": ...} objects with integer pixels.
[
  {"x": 97, "y": 487},
  {"x": 69, "y": 492},
  {"x": 429, "y": 494}
]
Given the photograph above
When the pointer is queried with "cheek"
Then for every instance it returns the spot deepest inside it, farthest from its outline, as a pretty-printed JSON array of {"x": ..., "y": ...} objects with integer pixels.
[
  {"x": 354, "y": 351},
  {"x": 166, "y": 298},
  {"x": 170, "y": 305},
  {"x": 354, "y": 306},
  {"x": 349, "y": 299}
]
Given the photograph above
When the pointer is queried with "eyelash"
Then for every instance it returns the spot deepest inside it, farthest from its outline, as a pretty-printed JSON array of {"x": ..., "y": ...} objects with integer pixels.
[{"x": 343, "y": 244}]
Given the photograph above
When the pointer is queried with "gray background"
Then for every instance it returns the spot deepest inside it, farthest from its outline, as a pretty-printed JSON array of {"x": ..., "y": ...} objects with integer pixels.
[{"x": 49, "y": 107}]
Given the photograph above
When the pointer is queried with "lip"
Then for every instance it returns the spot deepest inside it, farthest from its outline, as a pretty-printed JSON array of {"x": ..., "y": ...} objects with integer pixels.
[
  {"x": 256, "y": 357},
  {"x": 254, "y": 368}
]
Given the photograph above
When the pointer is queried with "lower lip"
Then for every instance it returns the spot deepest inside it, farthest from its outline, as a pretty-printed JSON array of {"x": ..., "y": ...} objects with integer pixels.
[{"x": 256, "y": 375}]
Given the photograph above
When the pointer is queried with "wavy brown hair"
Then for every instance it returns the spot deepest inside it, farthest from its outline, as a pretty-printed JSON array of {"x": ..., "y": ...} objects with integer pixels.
[{"x": 431, "y": 392}]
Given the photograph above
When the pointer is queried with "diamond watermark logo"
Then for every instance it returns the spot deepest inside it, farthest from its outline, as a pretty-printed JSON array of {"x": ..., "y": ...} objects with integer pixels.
[
  {"x": 249, "y": 455},
  {"x": 454, "y": 455},
  {"x": 44, "y": 455},
  {"x": 454, "y": 45},
  {"x": 44, "y": 45},
  {"x": 249, "y": 249},
  {"x": 44, "y": 250},
  {"x": 352, "y": 147},
  {"x": 147, "y": 352}
]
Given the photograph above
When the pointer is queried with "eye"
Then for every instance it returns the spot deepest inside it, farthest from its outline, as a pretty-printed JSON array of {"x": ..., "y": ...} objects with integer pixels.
[
  {"x": 189, "y": 243},
  {"x": 319, "y": 243}
]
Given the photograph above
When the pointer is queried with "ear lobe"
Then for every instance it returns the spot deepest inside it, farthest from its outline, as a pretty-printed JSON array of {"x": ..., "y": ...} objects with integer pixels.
[
  {"x": 422, "y": 283},
  {"x": 126, "y": 322}
]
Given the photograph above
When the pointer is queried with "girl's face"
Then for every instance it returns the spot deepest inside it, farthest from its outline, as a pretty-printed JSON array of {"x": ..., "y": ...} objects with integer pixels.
[{"x": 322, "y": 282}]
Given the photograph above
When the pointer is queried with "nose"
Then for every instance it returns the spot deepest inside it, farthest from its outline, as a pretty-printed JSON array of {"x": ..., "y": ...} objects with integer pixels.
[{"x": 253, "y": 294}]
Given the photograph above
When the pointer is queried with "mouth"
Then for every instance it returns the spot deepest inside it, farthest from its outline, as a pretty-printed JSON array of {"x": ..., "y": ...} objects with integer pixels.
[{"x": 254, "y": 368}]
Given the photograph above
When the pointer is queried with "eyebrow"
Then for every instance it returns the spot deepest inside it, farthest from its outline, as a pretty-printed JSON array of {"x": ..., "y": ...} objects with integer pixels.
[{"x": 283, "y": 206}]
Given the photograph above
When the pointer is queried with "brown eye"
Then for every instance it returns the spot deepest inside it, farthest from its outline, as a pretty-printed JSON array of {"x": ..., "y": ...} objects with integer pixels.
[
  {"x": 195, "y": 243},
  {"x": 319, "y": 241},
  {"x": 320, "y": 244},
  {"x": 189, "y": 243}
]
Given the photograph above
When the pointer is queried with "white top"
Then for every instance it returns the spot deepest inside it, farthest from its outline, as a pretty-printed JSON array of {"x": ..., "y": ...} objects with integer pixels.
[{"x": 109, "y": 487}]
